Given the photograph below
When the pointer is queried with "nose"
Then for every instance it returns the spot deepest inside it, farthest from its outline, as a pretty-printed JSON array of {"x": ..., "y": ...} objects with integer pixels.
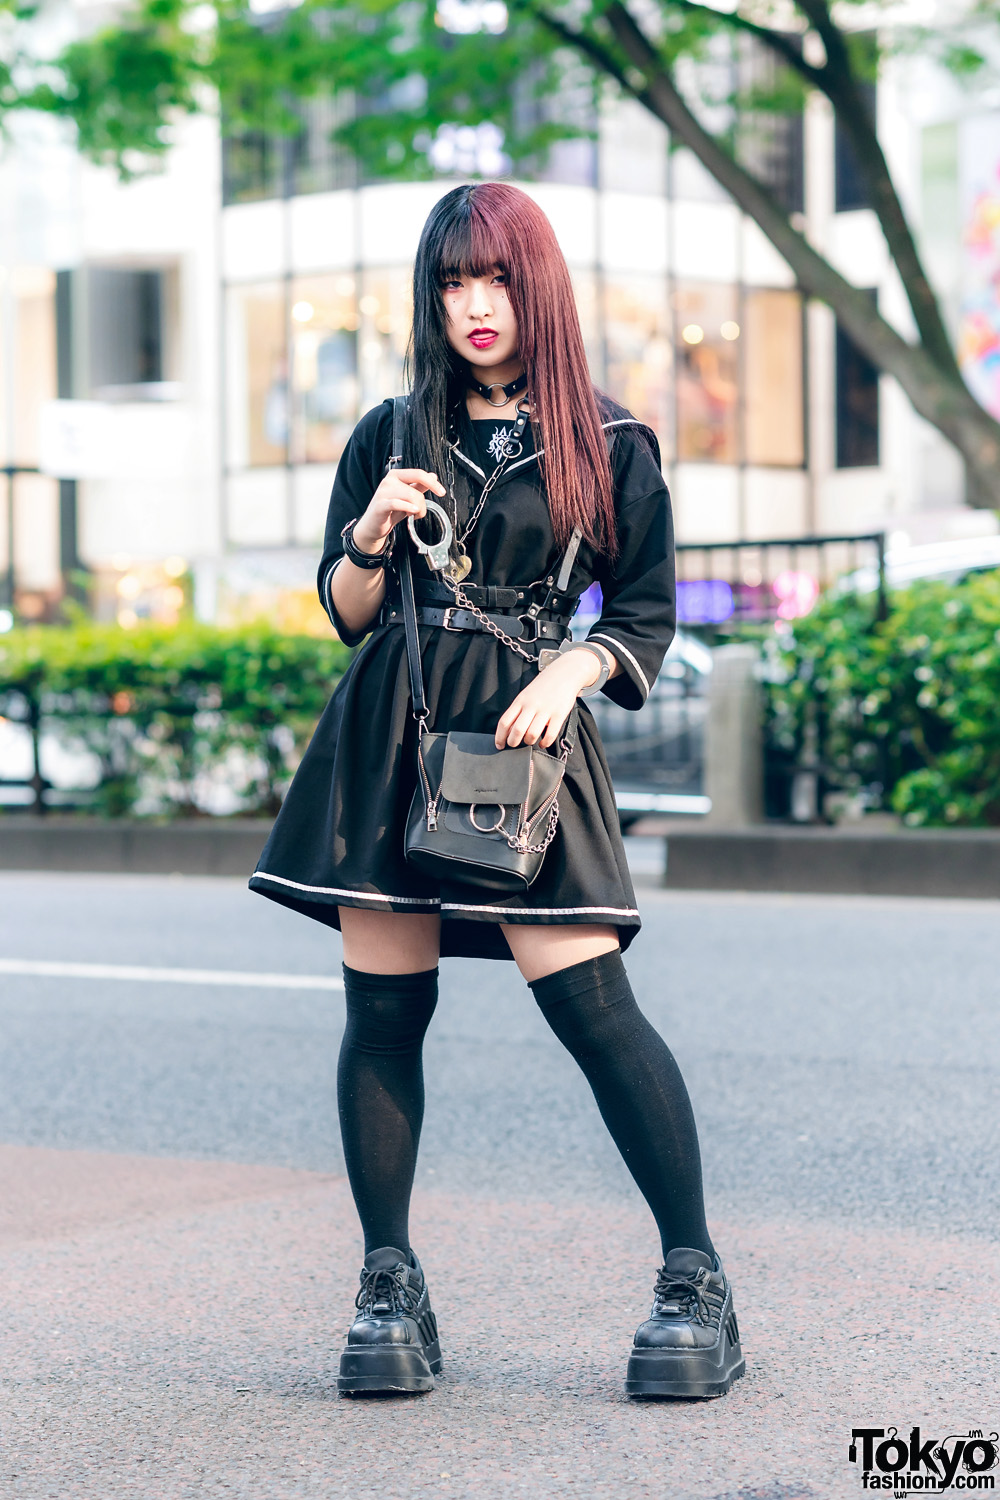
[{"x": 480, "y": 303}]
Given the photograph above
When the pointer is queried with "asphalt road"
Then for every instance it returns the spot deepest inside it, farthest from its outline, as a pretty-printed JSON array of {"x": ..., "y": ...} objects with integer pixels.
[{"x": 180, "y": 1250}]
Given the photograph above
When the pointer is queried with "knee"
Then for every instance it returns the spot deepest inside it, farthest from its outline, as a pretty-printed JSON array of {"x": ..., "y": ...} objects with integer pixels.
[
  {"x": 388, "y": 1013},
  {"x": 590, "y": 1005}
]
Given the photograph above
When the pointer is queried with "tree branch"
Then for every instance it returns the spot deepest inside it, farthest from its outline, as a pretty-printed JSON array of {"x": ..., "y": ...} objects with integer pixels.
[
  {"x": 838, "y": 83},
  {"x": 777, "y": 41},
  {"x": 854, "y": 117},
  {"x": 941, "y": 398}
]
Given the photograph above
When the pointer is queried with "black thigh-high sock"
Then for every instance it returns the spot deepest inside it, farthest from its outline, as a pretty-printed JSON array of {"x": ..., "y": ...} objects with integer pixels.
[
  {"x": 638, "y": 1088},
  {"x": 380, "y": 1096}
]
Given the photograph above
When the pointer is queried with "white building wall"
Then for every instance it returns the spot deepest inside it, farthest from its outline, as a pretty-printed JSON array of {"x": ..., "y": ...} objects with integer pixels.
[{"x": 57, "y": 212}]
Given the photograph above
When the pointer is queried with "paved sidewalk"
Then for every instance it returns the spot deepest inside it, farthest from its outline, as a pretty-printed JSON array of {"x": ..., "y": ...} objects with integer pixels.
[
  {"x": 172, "y": 1331},
  {"x": 179, "y": 1253}
]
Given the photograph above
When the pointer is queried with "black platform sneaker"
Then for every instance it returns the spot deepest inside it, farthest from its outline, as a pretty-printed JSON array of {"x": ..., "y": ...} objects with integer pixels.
[
  {"x": 690, "y": 1344},
  {"x": 393, "y": 1342}
]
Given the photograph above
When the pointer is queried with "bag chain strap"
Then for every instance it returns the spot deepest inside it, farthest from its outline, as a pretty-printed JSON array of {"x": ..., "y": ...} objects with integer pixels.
[{"x": 520, "y": 848}]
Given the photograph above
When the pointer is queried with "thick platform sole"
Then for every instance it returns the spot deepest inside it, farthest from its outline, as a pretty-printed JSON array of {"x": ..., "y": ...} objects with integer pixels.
[
  {"x": 683, "y": 1374},
  {"x": 388, "y": 1367}
]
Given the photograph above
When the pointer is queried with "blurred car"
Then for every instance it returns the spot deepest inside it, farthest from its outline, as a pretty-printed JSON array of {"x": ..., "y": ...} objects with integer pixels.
[{"x": 656, "y": 755}]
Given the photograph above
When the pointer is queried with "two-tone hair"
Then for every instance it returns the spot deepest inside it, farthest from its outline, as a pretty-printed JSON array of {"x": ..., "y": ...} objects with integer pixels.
[{"x": 471, "y": 232}]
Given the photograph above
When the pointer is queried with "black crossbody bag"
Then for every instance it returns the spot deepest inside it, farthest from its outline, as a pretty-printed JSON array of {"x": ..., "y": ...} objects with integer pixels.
[{"x": 479, "y": 815}]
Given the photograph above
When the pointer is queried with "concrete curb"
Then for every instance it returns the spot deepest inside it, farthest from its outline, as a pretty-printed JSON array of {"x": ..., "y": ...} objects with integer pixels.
[
  {"x": 934, "y": 862},
  {"x": 200, "y": 847}
]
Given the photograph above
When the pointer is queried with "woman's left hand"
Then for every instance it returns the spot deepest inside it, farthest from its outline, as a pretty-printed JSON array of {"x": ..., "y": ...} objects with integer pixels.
[{"x": 540, "y": 710}]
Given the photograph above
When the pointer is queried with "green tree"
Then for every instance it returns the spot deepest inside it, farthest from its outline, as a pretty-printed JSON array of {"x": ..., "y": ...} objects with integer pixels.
[{"x": 412, "y": 65}]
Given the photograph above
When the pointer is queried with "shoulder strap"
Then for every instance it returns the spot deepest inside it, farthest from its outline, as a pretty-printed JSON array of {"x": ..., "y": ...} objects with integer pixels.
[{"x": 418, "y": 696}]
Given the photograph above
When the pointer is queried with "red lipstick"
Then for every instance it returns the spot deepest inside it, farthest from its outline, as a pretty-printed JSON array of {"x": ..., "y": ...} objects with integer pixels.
[{"x": 482, "y": 338}]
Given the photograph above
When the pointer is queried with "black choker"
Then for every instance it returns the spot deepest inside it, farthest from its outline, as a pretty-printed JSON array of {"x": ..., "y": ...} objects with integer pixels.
[{"x": 509, "y": 391}]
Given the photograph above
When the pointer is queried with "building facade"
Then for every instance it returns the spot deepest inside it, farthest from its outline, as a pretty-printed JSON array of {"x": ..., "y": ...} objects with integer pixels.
[{"x": 185, "y": 356}]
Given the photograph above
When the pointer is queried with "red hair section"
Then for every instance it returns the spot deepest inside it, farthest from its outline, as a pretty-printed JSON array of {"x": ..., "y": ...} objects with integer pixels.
[{"x": 507, "y": 229}]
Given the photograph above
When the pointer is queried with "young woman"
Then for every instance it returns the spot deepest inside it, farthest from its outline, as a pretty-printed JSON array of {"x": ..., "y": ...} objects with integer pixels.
[{"x": 541, "y": 509}]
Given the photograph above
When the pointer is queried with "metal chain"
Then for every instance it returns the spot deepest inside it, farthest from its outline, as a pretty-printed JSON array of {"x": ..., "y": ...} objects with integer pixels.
[
  {"x": 521, "y": 848},
  {"x": 463, "y": 601},
  {"x": 511, "y": 450},
  {"x": 509, "y": 453}
]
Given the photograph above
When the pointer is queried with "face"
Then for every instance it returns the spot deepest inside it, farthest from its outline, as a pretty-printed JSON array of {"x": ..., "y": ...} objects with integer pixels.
[{"x": 481, "y": 326}]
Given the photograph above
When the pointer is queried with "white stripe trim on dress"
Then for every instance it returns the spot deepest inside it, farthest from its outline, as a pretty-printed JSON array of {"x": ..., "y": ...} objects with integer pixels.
[
  {"x": 545, "y": 911},
  {"x": 542, "y": 911},
  {"x": 472, "y": 465},
  {"x": 331, "y": 890},
  {"x": 599, "y": 635},
  {"x": 326, "y": 586}
]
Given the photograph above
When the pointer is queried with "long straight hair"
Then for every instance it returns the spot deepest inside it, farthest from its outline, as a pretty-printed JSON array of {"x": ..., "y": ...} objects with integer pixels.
[{"x": 470, "y": 231}]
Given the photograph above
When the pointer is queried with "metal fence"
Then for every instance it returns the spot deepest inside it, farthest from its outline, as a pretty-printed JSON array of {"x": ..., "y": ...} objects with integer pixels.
[
  {"x": 727, "y": 583},
  {"x": 656, "y": 756}
]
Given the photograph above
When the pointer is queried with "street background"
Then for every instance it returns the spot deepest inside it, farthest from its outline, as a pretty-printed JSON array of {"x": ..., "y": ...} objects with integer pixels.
[{"x": 180, "y": 1250}]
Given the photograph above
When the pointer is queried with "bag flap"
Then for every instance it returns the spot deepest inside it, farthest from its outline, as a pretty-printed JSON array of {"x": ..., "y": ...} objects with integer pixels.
[{"x": 476, "y": 771}]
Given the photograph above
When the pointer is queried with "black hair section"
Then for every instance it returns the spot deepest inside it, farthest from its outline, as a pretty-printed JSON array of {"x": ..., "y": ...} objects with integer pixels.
[{"x": 435, "y": 374}]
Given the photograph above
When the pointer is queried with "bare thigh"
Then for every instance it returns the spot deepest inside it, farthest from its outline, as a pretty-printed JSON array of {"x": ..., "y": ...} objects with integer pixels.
[
  {"x": 389, "y": 942},
  {"x": 545, "y": 950}
]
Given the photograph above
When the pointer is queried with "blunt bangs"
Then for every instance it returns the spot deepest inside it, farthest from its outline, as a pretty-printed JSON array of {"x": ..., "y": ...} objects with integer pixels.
[{"x": 469, "y": 248}]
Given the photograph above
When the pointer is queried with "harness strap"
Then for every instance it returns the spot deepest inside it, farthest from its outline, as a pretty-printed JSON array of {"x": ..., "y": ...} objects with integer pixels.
[
  {"x": 417, "y": 694},
  {"x": 494, "y": 597},
  {"x": 454, "y": 618}
]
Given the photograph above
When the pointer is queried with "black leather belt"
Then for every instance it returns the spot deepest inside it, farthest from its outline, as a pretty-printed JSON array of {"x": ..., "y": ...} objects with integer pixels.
[
  {"x": 452, "y": 618},
  {"x": 491, "y": 597}
]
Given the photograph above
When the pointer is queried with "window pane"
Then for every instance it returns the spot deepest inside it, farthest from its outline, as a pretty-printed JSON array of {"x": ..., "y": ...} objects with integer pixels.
[
  {"x": 772, "y": 375},
  {"x": 325, "y": 325},
  {"x": 771, "y": 142},
  {"x": 637, "y": 337},
  {"x": 252, "y": 167},
  {"x": 857, "y": 406},
  {"x": 257, "y": 376},
  {"x": 318, "y": 162},
  {"x": 125, "y": 319},
  {"x": 31, "y": 339},
  {"x": 707, "y": 371},
  {"x": 849, "y": 189},
  {"x": 633, "y": 149},
  {"x": 386, "y": 309}
]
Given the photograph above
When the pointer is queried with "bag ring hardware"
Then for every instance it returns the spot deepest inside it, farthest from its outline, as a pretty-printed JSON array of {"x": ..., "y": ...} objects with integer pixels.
[
  {"x": 437, "y": 552},
  {"x": 497, "y": 826}
]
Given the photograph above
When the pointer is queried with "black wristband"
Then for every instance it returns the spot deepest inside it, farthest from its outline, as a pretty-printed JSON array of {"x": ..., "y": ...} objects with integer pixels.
[{"x": 354, "y": 554}]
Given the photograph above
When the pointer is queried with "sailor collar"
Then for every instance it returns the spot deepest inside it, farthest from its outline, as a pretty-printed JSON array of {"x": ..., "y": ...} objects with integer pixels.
[{"x": 465, "y": 435}]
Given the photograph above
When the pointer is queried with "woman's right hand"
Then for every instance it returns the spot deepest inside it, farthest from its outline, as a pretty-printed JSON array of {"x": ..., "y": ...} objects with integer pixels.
[{"x": 399, "y": 496}]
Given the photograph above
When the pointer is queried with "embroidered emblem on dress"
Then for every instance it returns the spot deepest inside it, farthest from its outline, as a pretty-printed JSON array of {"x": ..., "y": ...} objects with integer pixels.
[{"x": 499, "y": 443}]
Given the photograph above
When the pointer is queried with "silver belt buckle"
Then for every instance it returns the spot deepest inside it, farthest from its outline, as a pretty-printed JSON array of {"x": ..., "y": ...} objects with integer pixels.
[{"x": 450, "y": 610}]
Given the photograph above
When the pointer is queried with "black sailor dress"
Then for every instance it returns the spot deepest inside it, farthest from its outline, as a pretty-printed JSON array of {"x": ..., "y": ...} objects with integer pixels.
[{"x": 338, "y": 839}]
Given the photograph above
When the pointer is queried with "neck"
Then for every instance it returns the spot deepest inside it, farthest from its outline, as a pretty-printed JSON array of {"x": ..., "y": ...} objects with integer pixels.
[{"x": 496, "y": 374}]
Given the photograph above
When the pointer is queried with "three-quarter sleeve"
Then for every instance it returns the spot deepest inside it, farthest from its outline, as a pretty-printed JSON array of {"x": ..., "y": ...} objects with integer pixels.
[
  {"x": 358, "y": 476},
  {"x": 639, "y": 613}
]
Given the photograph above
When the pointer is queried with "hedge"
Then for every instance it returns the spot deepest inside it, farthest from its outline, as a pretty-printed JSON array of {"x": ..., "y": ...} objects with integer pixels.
[
  {"x": 906, "y": 713},
  {"x": 171, "y": 712}
]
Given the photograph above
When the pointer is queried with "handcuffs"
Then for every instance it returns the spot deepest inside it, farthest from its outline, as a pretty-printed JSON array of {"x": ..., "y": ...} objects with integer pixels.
[{"x": 437, "y": 552}]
